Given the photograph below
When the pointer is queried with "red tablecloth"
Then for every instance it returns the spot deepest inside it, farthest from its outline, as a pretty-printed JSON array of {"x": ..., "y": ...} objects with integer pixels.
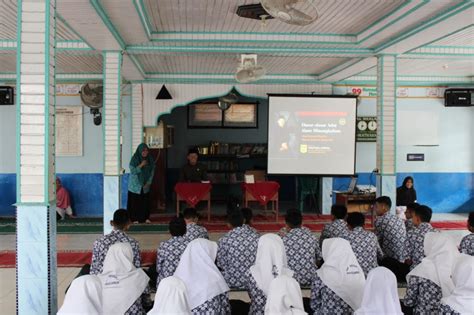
[
  {"x": 192, "y": 192},
  {"x": 263, "y": 192}
]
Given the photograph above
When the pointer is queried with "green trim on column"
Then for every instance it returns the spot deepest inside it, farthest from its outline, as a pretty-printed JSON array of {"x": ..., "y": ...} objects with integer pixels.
[
  {"x": 105, "y": 18},
  {"x": 47, "y": 34},
  {"x": 395, "y": 113},
  {"x": 380, "y": 95},
  {"x": 18, "y": 101},
  {"x": 104, "y": 105}
]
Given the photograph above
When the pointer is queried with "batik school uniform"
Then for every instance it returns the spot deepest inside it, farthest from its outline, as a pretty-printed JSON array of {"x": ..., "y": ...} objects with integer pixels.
[
  {"x": 414, "y": 243},
  {"x": 194, "y": 231},
  {"x": 168, "y": 255},
  {"x": 102, "y": 245},
  {"x": 236, "y": 253},
  {"x": 447, "y": 310},
  {"x": 302, "y": 250},
  {"x": 217, "y": 305},
  {"x": 339, "y": 283},
  {"x": 366, "y": 248},
  {"x": 423, "y": 295},
  {"x": 409, "y": 225},
  {"x": 337, "y": 228},
  {"x": 467, "y": 245},
  {"x": 391, "y": 233}
]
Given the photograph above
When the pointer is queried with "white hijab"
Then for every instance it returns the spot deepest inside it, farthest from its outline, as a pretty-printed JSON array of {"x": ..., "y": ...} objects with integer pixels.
[
  {"x": 341, "y": 272},
  {"x": 461, "y": 299},
  {"x": 199, "y": 272},
  {"x": 380, "y": 294},
  {"x": 441, "y": 253},
  {"x": 284, "y": 297},
  {"x": 122, "y": 282},
  {"x": 84, "y": 297},
  {"x": 270, "y": 261},
  {"x": 170, "y": 298}
]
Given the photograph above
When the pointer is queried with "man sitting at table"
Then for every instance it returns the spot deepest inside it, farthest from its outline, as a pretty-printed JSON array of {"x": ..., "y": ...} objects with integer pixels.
[{"x": 193, "y": 171}]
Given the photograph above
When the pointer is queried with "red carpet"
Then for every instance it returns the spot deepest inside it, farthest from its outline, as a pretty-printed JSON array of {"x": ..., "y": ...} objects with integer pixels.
[{"x": 72, "y": 258}]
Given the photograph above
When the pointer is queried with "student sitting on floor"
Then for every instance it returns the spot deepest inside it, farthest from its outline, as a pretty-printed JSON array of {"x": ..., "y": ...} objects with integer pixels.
[
  {"x": 467, "y": 243},
  {"x": 416, "y": 237},
  {"x": 301, "y": 247},
  {"x": 169, "y": 252},
  {"x": 284, "y": 297},
  {"x": 380, "y": 294},
  {"x": 83, "y": 297},
  {"x": 391, "y": 233},
  {"x": 270, "y": 263},
  {"x": 339, "y": 283},
  {"x": 206, "y": 287},
  {"x": 121, "y": 223},
  {"x": 193, "y": 230},
  {"x": 461, "y": 300},
  {"x": 431, "y": 280},
  {"x": 123, "y": 285},
  {"x": 237, "y": 250},
  {"x": 364, "y": 243},
  {"x": 171, "y": 298},
  {"x": 63, "y": 201},
  {"x": 338, "y": 226},
  {"x": 409, "y": 216}
]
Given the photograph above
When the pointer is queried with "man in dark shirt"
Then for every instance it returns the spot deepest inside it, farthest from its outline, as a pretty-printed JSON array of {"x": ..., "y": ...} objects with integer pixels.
[{"x": 193, "y": 171}]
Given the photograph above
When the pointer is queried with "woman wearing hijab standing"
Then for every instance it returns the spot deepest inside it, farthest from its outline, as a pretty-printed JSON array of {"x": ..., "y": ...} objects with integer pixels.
[
  {"x": 142, "y": 168},
  {"x": 461, "y": 300},
  {"x": 431, "y": 279},
  {"x": 406, "y": 193},
  {"x": 206, "y": 287},
  {"x": 171, "y": 298},
  {"x": 380, "y": 294},
  {"x": 122, "y": 283},
  {"x": 84, "y": 296},
  {"x": 270, "y": 263},
  {"x": 339, "y": 283}
]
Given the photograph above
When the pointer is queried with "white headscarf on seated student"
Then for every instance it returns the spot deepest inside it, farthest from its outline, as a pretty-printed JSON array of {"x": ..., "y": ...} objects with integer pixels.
[
  {"x": 461, "y": 299},
  {"x": 380, "y": 294},
  {"x": 341, "y": 271},
  {"x": 270, "y": 261},
  {"x": 83, "y": 297},
  {"x": 170, "y": 298},
  {"x": 284, "y": 297},
  {"x": 122, "y": 282},
  {"x": 199, "y": 272},
  {"x": 441, "y": 253}
]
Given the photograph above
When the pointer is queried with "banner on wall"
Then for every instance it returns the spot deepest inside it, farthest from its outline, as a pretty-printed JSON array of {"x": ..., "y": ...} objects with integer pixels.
[
  {"x": 366, "y": 130},
  {"x": 402, "y": 91}
]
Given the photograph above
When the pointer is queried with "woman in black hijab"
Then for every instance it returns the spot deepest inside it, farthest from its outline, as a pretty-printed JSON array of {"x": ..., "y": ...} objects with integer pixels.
[{"x": 406, "y": 193}]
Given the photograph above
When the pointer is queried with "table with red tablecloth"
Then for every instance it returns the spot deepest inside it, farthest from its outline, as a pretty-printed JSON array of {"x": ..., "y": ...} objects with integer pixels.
[
  {"x": 192, "y": 193},
  {"x": 263, "y": 192}
]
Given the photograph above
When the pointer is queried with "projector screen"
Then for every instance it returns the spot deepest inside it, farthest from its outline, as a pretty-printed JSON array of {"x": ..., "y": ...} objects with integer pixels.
[{"x": 311, "y": 134}]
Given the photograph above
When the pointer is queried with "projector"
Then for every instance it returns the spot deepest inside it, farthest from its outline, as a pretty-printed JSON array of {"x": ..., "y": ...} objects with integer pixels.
[{"x": 459, "y": 97}]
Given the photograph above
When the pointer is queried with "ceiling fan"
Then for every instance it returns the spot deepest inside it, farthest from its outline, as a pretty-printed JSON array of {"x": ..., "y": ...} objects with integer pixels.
[{"x": 248, "y": 70}]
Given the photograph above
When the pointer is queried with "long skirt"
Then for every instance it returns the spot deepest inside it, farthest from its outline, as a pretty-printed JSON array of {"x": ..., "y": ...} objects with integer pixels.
[{"x": 138, "y": 206}]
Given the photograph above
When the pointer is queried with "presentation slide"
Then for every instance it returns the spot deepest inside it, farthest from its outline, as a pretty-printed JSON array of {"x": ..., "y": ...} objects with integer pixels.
[{"x": 311, "y": 134}]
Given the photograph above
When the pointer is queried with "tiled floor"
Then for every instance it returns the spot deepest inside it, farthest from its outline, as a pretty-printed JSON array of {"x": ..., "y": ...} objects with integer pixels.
[{"x": 147, "y": 241}]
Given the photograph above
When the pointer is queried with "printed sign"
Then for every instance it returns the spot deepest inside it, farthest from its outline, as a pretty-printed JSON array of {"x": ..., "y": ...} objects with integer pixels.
[{"x": 366, "y": 130}]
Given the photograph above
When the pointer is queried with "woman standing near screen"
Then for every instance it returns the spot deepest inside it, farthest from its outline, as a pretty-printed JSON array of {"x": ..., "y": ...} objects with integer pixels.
[
  {"x": 142, "y": 168},
  {"x": 406, "y": 193}
]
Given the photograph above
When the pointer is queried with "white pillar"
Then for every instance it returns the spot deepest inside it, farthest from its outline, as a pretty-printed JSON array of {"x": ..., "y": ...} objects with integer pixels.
[
  {"x": 35, "y": 171},
  {"x": 386, "y": 127},
  {"x": 137, "y": 116},
  {"x": 112, "y": 63}
]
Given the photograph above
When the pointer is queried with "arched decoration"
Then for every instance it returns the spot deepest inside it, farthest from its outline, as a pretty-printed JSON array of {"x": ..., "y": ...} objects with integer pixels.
[{"x": 185, "y": 94}]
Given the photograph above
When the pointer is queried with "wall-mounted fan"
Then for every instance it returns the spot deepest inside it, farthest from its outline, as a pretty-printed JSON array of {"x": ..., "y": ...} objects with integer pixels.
[
  {"x": 92, "y": 97},
  {"x": 296, "y": 12},
  {"x": 226, "y": 101},
  {"x": 248, "y": 70}
]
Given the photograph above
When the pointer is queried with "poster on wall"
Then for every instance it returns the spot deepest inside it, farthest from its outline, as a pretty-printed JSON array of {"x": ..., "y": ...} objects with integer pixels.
[
  {"x": 69, "y": 131},
  {"x": 366, "y": 130}
]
